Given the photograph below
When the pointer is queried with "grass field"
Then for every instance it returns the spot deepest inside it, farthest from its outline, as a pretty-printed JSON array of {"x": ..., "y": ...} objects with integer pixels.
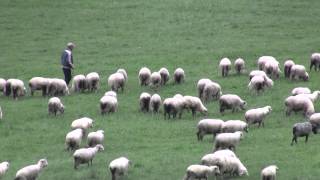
[{"x": 193, "y": 35}]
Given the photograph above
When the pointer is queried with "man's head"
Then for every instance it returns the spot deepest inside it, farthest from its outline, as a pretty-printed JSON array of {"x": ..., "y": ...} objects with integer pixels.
[{"x": 71, "y": 45}]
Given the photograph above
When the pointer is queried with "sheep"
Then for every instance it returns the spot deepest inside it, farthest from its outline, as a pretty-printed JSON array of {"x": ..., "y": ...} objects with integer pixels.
[
  {"x": 300, "y": 90},
  {"x": 95, "y": 138},
  {"x": 299, "y": 72},
  {"x": 119, "y": 167},
  {"x": 165, "y": 75},
  {"x": 57, "y": 87},
  {"x": 257, "y": 115},
  {"x": 178, "y": 76},
  {"x": 211, "y": 91},
  {"x": 4, "y": 166},
  {"x": 31, "y": 172},
  {"x": 84, "y": 123},
  {"x": 194, "y": 104},
  {"x": 2, "y": 85},
  {"x": 16, "y": 86},
  {"x": 263, "y": 60},
  {"x": 200, "y": 86},
  {"x": 93, "y": 81},
  {"x": 79, "y": 83},
  {"x": 86, "y": 155},
  {"x": 269, "y": 172},
  {"x": 314, "y": 119},
  {"x": 231, "y": 126},
  {"x": 231, "y": 101},
  {"x": 108, "y": 104},
  {"x": 287, "y": 67},
  {"x": 116, "y": 81},
  {"x": 38, "y": 83},
  {"x": 144, "y": 76},
  {"x": 228, "y": 140},
  {"x": 110, "y": 93},
  {"x": 272, "y": 69},
  {"x": 235, "y": 167},
  {"x": 315, "y": 61},
  {"x": 201, "y": 171},
  {"x": 256, "y": 73},
  {"x": 55, "y": 105},
  {"x": 155, "y": 79},
  {"x": 239, "y": 65},
  {"x": 174, "y": 106},
  {"x": 124, "y": 73},
  {"x": 299, "y": 103},
  {"x": 155, "y": 103},
  {"x": 208, "y": 126},
  {"x": 225, "y": 66},
  {"x": 260, "y": 83},
  {"x": 73, "y": 139},
  {"x": 313, "y": 97},
  {"x": 144, "y": 102},
  {"x": 302, "y": 129}
]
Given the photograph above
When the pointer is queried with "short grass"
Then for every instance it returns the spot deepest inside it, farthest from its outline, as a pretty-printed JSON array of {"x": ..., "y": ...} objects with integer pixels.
[{"x": 193, "y": 35}]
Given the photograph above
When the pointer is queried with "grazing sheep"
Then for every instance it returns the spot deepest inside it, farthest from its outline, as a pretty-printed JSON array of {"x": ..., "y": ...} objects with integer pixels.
[
  {"x": 155, "y": 79},
  {"x": 287, "y": 68},
  {"x": 209, "y": 126},
  {"x": 86, "y": 155},
  {"x": 155, "y": 103},
  {"x": 73, "y": 139},
  {"x": 211, "y": 91},
  {"x": 4, "y": 166},
  {"x": 124, "y": 73},
  {"x": 116, "y": 81},
  {"x": 110, "y": 93},
  {"x": 84, "y": 123},
  {"x": 299, "y": 103},
  {"x": 93, "y": 81},
  {"x": 313, "y": 97},
  {"x": 260, "y": 83},
  {"x": 239, "y": 65},
  {"x": 95, "y": 138},
  {"x": 178, "y": 76},
  {"x": 201, "y": 171},
  {"x": 38, "y": 83},
  {"x": 16, "y": 86},
  {"x": 31, "y": 172},
  {"x": 235, "y": 167},
  {"x": 119, "y": 167},
  {"x": 315, "y": 61},
  {"x": 314, "y": 119},
  {"x": 165, "y": 75},
  {"x": 2, "y": 85},
  {"x": 217, "y": 157},
  {"x": 108, "y": 104},
  {"x": 174, "y": 106},
  {"x": 257, "y": 73},
  {"x": 302, "y": 129},
  {"x": 79, "y": 83},
  {"x": 300, "y": 90},
  {"x": 228, "y": 140},
  {"x": 200, "y": 86},
  {"x": 55, "y": 105},
  {"x": 263, "y": 60},
  {"x": 272, "y": 69},
  {"x": 144, "y": 76},
  {"x": 257, "y": 115},
  {"x": 231, "y": 101},
  {"x": 269, "y": 172},
  {"x": 57, "y": 87},
  {"x": 225, "y": 66},
  {"x": 232, "y": 126},
  {"x": 299, "y": 72},
  {"x": 144, "y": 102},
  {"x": 194, "y": 104}
]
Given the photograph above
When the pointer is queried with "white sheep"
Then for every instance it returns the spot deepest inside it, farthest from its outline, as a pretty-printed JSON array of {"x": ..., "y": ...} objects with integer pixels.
[
  {"x": 269, "y": 172},
  {"x": 73, "y": 139},
  {"x": 209, "y": 126},
  {"x": 155, "y": 79},
  {"x": 93, "y": 81},
  {"x": 263, "y": 60},
  {"x": 228, "y": 140},
  {"x": 173, "y": 106},
  {"x": 116, "y": 81},
  {"x": 257, "y": 115},
  {"x": 38, "y": 83},
  {"x": 84, "y": 123},
  {"x": 194, "y": 104},
  {"x": 256, "y": 73},
  {"x": 211, "y": 91},
  {"x": 110, "y": 93},
  {"x": 2, "y": 85},
  {"x": 299, "y": 103},
  {"x": 299, "y": 72},
  {"x": 57, "y": 87},
  {"x": 144, "y": 76},
  {"x": 31, "y": 172},
  {"x": 300, "y": 90},
  {"x": 165, "y": 75},
  {"x": 231, "y": 126},
  {"x": 200, "y": 86},
  {"x": 55, "y": 105},
  {"x": 225, "y": 66},
  {"x": 239, "y": 65},
  {"x": 95, "y": 138},
  {"x": 287, "y": 67},
  {"x": 119, "y": 167},
  {"x": 313, "y": 97},
  {"x": 259, "y": 83},
  {"x": 124, "y": 73},
  {"x": 231, "y": 101},
  {"x": 144, "y": 102},
  {"x": 178, "y": 76},
  {"x": 108, "y": 104},
  {"x": 272, "y": 69},
  {"x": 315, "y": 61},
  {"x": 4, "y": 166},
  {"x": 201, "y": 171},
  {"x": 86, "y": 155},
  {"x": 235, "y": 167},
  {"x": 16, "y": 86},
  {"x": 302, "y": 129},
  {"x": 155, "y": 103},
  {"x": 79, "y": 83}
]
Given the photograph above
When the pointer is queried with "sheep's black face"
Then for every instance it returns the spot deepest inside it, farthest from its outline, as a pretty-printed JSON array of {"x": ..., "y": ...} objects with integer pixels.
[{"x": 314, "y": 130}]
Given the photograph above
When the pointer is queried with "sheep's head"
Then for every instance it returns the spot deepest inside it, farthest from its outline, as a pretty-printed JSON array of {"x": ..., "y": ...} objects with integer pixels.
[
  {"x": 243, "y": 105},
  {"x": 246, "y": 129},
  {"x": 214, "y": 170},
  {"x": 100, "y": 147},
  {"x": 306, "y": 77},
  {"x": 61, "y": 109},
  {"x": 43, "y": 163},
  {"x": 314, "y": 129},
  {"x": 243, "y": 172}
]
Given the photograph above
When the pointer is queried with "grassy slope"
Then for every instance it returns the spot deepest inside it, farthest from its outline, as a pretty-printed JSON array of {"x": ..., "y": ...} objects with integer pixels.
[{"x": 132, "y": 34}]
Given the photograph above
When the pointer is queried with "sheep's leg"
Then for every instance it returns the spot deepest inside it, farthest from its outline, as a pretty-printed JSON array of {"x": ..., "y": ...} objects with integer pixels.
[
  {"x": 193, "y": 113},
  {"x": 306, "y": 138}
]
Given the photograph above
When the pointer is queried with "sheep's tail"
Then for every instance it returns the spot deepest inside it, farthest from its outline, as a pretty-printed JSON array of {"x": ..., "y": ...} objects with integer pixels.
[
  {"x": 8, "y": 89},
  {"x": 113, "y": 173}
]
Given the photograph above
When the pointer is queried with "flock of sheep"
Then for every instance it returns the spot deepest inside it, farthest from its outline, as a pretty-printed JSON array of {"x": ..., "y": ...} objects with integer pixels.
[{"x": 227, "y": 134}]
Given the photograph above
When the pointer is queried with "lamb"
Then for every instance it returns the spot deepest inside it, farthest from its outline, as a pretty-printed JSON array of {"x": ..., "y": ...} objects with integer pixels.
[
  {"x": 313, "y": 97},
  {"x": 38, "y": 83},
  {"x": 299, "y": 72},
  {"x": 119, "y": 167},
  {"x": 201, "y": 171},
  {"x": 209, "y": 126},
  {"x": 73, "y": 139},
  {"x": 16, "y": 86},
  {"x": 165, "y": 75},
  {"x": 194, "y": 104},
  {"x": 232, "y": 126},
  {"x": 124, "y": 73},
  {"x": 269, "y": 172},
  {"x": 287, "y": 68},
  {"x": 257, "y": 115},
  {"x": 79, "y": 83},
  {"x": 211, "y": 91},
  {"x": 116, "y": 81},
  {"x": 31, "y": 172},
  {"x": 260, "y": 83},
  {"x": 155, "y": 79},
  {"x": 57, "y": 87},
  {"x": 55, "y": 105},
  {"x": 302, "y": 129},
  {"x": 228, "y": 140},
  {"x": 144, "y": 76},
  {"x": 93, "y": 81},
  {"x": 225, "y": 66},
  {"x": 178, "y": 76},
  {"x": 200, "y": 86},
  {"x": 239, "y": 65},
  {"x": 144, "y": 102},
  {"x": 315, "y": 61},
  {"x": 4, "y": 166},
  {"x": 83, "y": 123},
  {"x": 108, "y": 104},
  {"x": 2, "y": 85},
  {"x": 263, "y": 60},
  {"x": 155, "y": 103},
  {"x": 231, "y": 101},
  {"x": 300, "y": 90},
  {"x": 299, "y": 103},
  {"x": 95, "y": 138},
  {"x": 174, "y": 106},
  {"x": 86, "y": 155}
]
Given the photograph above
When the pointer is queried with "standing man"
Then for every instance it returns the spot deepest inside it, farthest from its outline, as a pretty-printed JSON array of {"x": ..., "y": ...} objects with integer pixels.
[{"x": 67, "y": 62}]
